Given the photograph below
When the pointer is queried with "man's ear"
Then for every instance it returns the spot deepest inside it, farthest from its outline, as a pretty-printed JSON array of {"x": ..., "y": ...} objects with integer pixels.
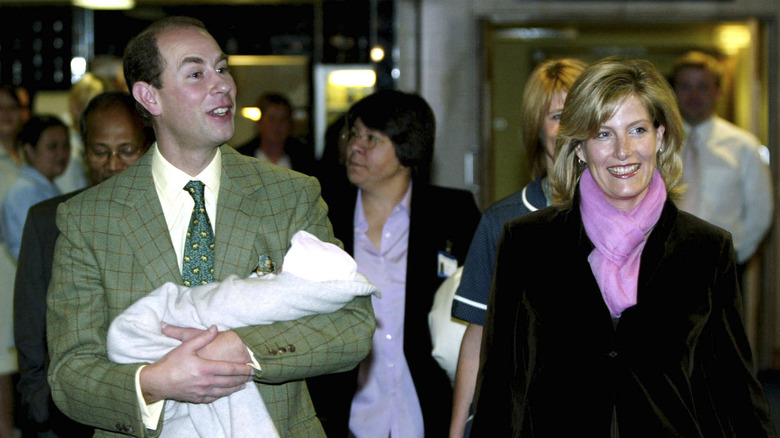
[{"x": 146, "y": 95}]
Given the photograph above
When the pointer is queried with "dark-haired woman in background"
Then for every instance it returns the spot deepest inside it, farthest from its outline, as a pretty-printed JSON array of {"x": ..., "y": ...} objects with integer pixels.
[
  {"x": 46, "y": 148},
  {"x": 625, "y": 319},
  {"x": 405, "y": 234}
]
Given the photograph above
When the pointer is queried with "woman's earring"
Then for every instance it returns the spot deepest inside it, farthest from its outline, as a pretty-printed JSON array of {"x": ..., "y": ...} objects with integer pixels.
[{"x": 581, "y": 162}]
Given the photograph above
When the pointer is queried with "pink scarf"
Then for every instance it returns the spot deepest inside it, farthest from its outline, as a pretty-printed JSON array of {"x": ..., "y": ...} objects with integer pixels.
[{"x": 619, "y": 238}]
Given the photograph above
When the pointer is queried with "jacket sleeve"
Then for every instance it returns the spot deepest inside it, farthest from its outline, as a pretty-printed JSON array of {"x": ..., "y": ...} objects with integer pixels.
[
  {"x": 503, "y": 361},
  {"x": 738, "y": 397},
  {"x": 757, "y": 203},
  {"x": 319, "y": 344},
  {"x": 30, "y": 322}
]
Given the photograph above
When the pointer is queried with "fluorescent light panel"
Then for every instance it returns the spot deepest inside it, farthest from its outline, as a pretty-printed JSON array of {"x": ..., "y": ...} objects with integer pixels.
[
  {"x": 105, "y": 4},
  {"x": 352, "y": 78}
]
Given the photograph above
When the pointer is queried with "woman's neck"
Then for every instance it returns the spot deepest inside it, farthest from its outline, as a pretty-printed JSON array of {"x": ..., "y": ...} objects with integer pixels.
[
  {"x": 9, "y": 145},
  {"x": 378, "y": 205}
]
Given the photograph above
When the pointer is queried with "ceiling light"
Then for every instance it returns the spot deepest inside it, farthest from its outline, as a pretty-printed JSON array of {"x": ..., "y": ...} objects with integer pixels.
[
  {"x": 352, "y": 78},
  {"x": 105, "y": 4},
  {"x": 377, "y": 54},
  {"x": 251, "y": 112}
]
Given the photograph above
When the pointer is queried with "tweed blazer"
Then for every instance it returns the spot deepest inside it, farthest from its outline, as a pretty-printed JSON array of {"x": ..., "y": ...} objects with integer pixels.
[
  {"x": 440, "y": 219},
  {"x": 676, "y": 364},
  {"x": 114, "y": 248}
]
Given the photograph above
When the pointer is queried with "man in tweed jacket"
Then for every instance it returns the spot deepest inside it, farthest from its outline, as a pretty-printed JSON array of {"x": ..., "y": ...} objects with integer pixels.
[{"x": 124, "y": 238}]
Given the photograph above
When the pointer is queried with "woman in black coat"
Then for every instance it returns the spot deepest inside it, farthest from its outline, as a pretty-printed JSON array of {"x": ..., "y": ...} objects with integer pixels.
[{"x": 625, "y": 319}]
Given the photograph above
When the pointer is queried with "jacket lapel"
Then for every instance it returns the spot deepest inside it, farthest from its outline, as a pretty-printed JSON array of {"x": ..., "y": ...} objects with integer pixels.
[
  {"x": 655, "y": 249},
  {"x": 236, "y": 228},
  {"x": 144, "y": 224}
]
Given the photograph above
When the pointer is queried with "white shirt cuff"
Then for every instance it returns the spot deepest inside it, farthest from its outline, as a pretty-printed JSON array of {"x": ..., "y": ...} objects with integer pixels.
[
  {"x": 254, "y": 364},
  {"x": 150, "y": 414}
]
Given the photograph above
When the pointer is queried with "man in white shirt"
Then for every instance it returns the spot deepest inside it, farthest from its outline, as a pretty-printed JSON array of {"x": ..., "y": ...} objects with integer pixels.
[
  {"x": 127, "y": 236},
  {"x": 729, "y": 183}
]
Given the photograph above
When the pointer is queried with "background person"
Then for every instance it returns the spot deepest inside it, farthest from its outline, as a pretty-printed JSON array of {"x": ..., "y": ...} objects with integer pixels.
[
  {"x": 81, "y": 93},
  {"x": 543, "y": 99},
  {"x": 44, "y": 141},
  {"x": 729, "y": 184},
  {"x": 583, "y": 339},
  {"x": 400, "y": 229},
  {"x": 11, "y": 120},
  {"x": 331, "y": 168},
  {"x": 114, "y": 137},
  {"x": 274, "y": 141}
]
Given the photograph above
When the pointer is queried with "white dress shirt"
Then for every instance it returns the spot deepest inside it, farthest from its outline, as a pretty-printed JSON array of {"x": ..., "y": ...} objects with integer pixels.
[{"x": 733, "y": 186}]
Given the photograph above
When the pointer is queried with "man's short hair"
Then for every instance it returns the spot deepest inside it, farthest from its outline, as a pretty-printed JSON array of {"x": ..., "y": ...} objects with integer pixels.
[
  {"x": 112, "y": 99},
  {"x": 143, "y": 61},
  {"x": 698, "y": 59},
  {"x": 266, "y": 100},
  {"x": 407, "y": 120}
]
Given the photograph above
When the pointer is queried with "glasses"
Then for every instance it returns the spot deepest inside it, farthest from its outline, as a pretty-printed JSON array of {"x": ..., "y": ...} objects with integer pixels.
[
  {"x": 126, "y": 155},
  {"x": 371, "y": 140}
]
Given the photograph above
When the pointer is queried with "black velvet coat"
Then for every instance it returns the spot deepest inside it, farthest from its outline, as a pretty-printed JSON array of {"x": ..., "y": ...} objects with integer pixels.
[
  {"x": 439, "y": 218},
  {"x": 677, "y": 364}
]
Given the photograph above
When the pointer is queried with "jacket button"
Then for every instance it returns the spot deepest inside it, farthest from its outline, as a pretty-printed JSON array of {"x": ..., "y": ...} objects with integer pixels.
[
  {"x": 272, "y": 352},
  {"x": 291, "y": 347},
  {"x": 282, "y": 350}
]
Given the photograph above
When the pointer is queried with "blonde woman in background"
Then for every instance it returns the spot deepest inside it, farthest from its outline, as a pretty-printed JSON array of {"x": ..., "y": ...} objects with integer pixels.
[
  {"x": 543, "y": 99},
  {"x": 76, "y": 175}
]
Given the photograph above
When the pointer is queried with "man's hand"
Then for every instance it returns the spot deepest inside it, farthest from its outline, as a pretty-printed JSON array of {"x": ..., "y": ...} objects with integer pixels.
[
  {"x": 184, "y": 375},
  {"x": 226, "y": 347}
]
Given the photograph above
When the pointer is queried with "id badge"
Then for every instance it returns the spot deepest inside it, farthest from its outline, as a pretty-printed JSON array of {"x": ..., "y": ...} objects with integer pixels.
[{"x": 447, "y": 265}]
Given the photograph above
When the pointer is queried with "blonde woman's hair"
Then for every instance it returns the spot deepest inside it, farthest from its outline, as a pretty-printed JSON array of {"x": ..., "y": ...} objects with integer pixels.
[
  {"x": 594, "y": 98},
  {"x": 547, "y": 79}
]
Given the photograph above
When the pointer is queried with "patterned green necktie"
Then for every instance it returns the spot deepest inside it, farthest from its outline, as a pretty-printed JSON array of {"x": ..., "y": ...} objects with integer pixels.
[{"x": 198, "y": 266}]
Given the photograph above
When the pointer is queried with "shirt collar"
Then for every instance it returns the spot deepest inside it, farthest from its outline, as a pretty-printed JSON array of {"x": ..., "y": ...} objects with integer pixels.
[
  {"x": 701, "y": 127},
  {"x": 36, "y": 175},
  {"x": 405, "y": 207},
  {"x": 170, "y": 180}
]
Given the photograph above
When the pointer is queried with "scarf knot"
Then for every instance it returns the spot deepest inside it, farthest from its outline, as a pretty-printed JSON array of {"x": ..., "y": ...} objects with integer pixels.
[{"x": 619, "y": 238}]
